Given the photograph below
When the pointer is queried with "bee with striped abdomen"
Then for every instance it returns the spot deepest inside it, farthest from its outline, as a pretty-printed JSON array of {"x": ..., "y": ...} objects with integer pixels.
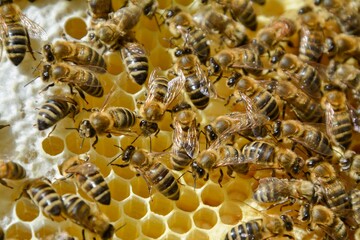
[{"x": 12, "y": 171}]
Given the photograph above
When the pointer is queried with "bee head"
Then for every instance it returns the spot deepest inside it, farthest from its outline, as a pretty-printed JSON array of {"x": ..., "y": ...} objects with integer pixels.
[
  {"x": 277, "y": 128},
  {"x": 128, "y": 153},
  {"x": 49, "y": 56},
  {"x": 46, "y": 73},
  {"x": 197, "y": 171},
  {"x": 298, "y": 165},
  {"x": 214, "y": 67},
  {"x": 288, "y": 223},
  {"x": 305, "y": 212},
  {"x": 153, "y": 112},
  {"x": 171, "y": 12},
  {"x": 146, "y": 124},
  {"x": 330, "y": 46},
  {"x": 108, "y": 233},
  {"x": 86, "y": 130},
  {"x": 150, "y": 8},
  {"x": 233, "y": 80},
  {"x": 210, "y": 133}
]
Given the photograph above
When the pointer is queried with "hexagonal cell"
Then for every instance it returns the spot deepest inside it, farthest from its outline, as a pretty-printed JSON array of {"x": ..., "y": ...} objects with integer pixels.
[
  {"x": 124, "y": 173},
  {"x": 101, "y": 163},
  {"x": 140, "y": 187},
  {"x": 130, "y": 231},
  {"x": 212, "y": 195},
  {"x": 153, "y": 227},
  {"x": 179, "y": 222},
  {"x": 127, "y": 84},
  {"x": 45, "y": 231},
  {"x": 198, "y": 235},
  {"x": 230, "y": 213},
  {"x": 184, "y": 2},
  {"x": 119, "y": 189},
  {"x": 18, "y": 230},
  {"x": 112, "y": 211},
  {"x": 26, "y": 210},
  {"x": 114, "y": 62},
  {"x": 205, "y": 218},
  {"x": 189, "y": 180},
  {"x": 105, "y": 147},
  {"x": 135, "y": 208},
  {"x": 171, "y": 237},
  {"x": 63, "y": 187},
  {"x": 75, "y": 27},
  {"x": 143, "y": 35},
  {"x": 160, "y": 204},
  {"x": 188, "y": 201},
  {"x": 53, "y": 145},
  {"x": 74, "y": 230},
  {"x": 74, "y": 142},
  {"x": 216, "y": 175},
  {"x": 237, "y": 193},
  {"x": 165, "y": 62}
]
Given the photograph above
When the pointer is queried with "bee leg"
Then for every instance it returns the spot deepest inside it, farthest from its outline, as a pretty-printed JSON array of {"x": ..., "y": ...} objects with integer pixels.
[
  {"x": 229, "y": 172},
  {"x": 8, "y": 125},
  {"x": 277, "y": 203},
  {"x": 83, "y": 234},
  {"x": 81, "y": 93},
  {"x": 167, "y": 148},
  {"x": 52, "y": 130},
  {"x": 291, "y": 202},
  {"x": 29, "y": 45},
  {"x": 95, "y": 142},
  {"x": 228, "y": 100},
  {"x": 47, "y": 87},
  {"x": 221, "y": 177},
  {"x": 2, "y": 182}
]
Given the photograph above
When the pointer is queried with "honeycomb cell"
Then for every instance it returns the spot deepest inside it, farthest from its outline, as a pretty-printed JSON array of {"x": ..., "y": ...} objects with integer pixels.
[
  {"x": 127, "y": 84},
  {"x": 114, "y": 63},
  {"x": 129, "y": 231},
  {"x": 77, "y": 145},
  {"x": 26, "y": 210},
  {"x": 120, "y": 189},
  {"x": 124, "y": 173},
  {"x": 188, "y": 201},
  {"x": 151, "y": 24},
  {"x": 53, "y": 145},
  {"x": 75, "y": 27},
  {"x": 205, "y": 218},
  {"x": 102, "y": 164},
  {"x": 112, "y": 211},
  {"x": 75, "y": 230},
  {"x": 160, "y": 204},
  {"x": 18, "y": 230},
  {"x": 105, "y": 147},
  {"x": 184, "y": 2},
  {"x": 140, "y": 187},
  {"x": 135, "y": 208},
  {"x": 118, "y": 4},
  {"x": 64, "y": 186},
  {"x": 198, "y": 235},
  {"x": 230, "y": 213},
  {"x": 216, "y": 176},
  {"x": 172, "y": 237},
  {"x": 153, "y": 227},
  {"x": 45, "y": 231},
  {"x": 143, "y": 37},
  {"x": 212, "y": 195},
  {"x": 164, "y": 38},
  {"x": 164, "y": 62},
  {"x": 189, "y": 180},
  {"x": 238, "y": 190},
  {"x": 179, "y": 222}
]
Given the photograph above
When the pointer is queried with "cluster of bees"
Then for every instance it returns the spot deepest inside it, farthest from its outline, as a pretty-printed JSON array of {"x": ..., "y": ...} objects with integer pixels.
[{"x": 294, "y": 98}]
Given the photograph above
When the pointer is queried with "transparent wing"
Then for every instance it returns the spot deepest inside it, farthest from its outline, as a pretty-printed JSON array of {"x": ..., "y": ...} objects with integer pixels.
[
  {"x": 174, "y": 88},
  {"x": 83, "y": 169},
  {"x": 205, "y": 85},
  {"x": 34, "y": 29}
]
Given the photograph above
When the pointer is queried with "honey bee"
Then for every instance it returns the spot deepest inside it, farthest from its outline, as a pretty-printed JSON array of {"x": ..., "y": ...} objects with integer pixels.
[
  {"x": 214, "y": 22},
  {"x": 197, "y": 84},
  {"x": 323, "y": 217},
  {"x": 76, "y": 53},
  {"x": 153, "y": 171},
  {"x": 350, "y": 164},
  {"x": 149, "y": 7},
  {"x": 321, "y": 172},
  {"x": 355, "y": 204},
  {"x": 54, "y": 109},
  {"x": 343, "y": 46},
  {"x": 336, "y": 197},
  {"x": 107, "y": 121},
  {"x": 99, "y": 9},
  {"x": 308, "y": 136},
  {"x": 185, "y": 136},
  {"x": 82, "y": 214},
  {"x": 82, "y": 79},
  {"x": 181, "y": 24},
  {"x": 304, "y": 107},
  {"x": 279, "y": 191},
  {"x": 15, "y": 30},
  {"x": 136, "y": 61},
  {"x": 311, "y": 36},
  {"x": 88, "y": 177},
  {"x": 304, "y": 75},
  {"x": 338, "y": 118},
  {"x": 11, "y": 170},
  {"x": 44, "y": 195},
  {"x": 161, "y": 93}
]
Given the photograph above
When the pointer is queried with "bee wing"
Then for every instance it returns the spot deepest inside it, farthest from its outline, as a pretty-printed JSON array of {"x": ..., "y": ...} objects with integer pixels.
[
  {"x": 231, "y": 161},
  {"x": 34, "y": 29},
  {"x": 355, "y": 117},
  {"x": 192, "y": 142},
  {"x": 174, "y": 88},
  {"x": 124, "y": 132},
  {"x": 206, "y": 87},
  {"x": 95, "y": 69},
  {"x": 83, "y": 169}
]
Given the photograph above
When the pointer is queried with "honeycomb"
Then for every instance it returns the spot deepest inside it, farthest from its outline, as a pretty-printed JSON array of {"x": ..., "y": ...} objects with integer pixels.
[{"x": 206, "y": 212}]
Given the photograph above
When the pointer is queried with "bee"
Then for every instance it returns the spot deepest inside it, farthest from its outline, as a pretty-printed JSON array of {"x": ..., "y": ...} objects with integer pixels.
[
  {"x": 323, "y": 217},
  {"x": 54, "y": 109},
  {"x": 275, "y": 190},
  {"x": 350, "y": 164},
  {"x": 214, "y": 22},
  {"x": 342, "y": 47},
  {"x": 180, "y": 24},
  {"x": 304, "y": 75},
  {"x": 107, "y": 121},
  {"x": 82, "y": 214},
  {"x": 154, "y": 172},
  {"x": 197, "y": 84},
  {"x": 185, "y": 136},
  {"x": 304, "y": 107},
  {"x": 74, "y": 52},
  {"x": 136, "y": 61},
  {"x": 243, "y": 58},
  {"x": 271, "y": 225},
  {"x": 161, "y": 93},
  {"x": 16, "y": 29},
  {"x": 12, "y": 171},
  {"x": 44, "y": 195},
  {"x": 149, "y": 7},
  {"x": 355, "y": 204},
  {"x": 336, "y": 197},
  {"x": 321, "y": 172},
  {"x": 262, "y": 152},
  {"x": 99, "y": 9},
  {"x": 82, "y": 79},
  {"x": 338, "y": 118},
  {"x": 311, "y": 35},
  {"x": 88, "y": 177},
  {"x": 308, "y": 136}
]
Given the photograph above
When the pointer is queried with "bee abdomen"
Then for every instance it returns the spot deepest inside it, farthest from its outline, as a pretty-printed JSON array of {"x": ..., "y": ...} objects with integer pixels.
[
  {"x": 123, "y": 117},
  {"x": 47, "y": 198},
  {"x": 96, "y": 187},
  {"x": 198, "y": 41},
  {"x": 16, "y": 43},
  {"x": 260, "y": 152},
  {"x": 92, "y": 86},
  {"x": 180, "y": 159},
  {"x": 51, "y": 112},
  {"x": 342, "y": 129},
  {"x": 75, "y": 207},
  {"x": 164, "y": 181},
  {"x": 247, "y": 231},
  {"x": 138, "y": 68},
  {"x": 159, "y": 89},
  {"x": 317, "y": 141},
  {"x": 245, "y": 14},
  {"x": 12, "y": 170},
  {"x": 267, "y": 104},
  {"x": 193, "y": 88}
]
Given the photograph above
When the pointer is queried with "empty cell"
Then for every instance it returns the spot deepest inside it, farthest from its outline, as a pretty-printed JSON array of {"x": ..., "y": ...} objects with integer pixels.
[
  {"x": 63, "y": 187},
  {"x": 45, "y": 231},
  {"x": 151, "y": 24},
  {"x": 212, "y": 195},
  {"x": 114, "y": 63},
  {"x": 216, "y": 175},
  {"x": 164, "y": 62},
  {"x": 130, "y": 231},
  {"x": 26, "y": 210},
  {"x": 76, "y": 144},
  {"x": 143, "y": 36},
  {"x": 135, "y": 208},
  {"x": 188, "y": 201},
  {"x": 230, "y": 213},
  {"x": 171, "y": 237},
  {"x": 238, "y": 190},
  {"x": 180, "y": 222},
  {"x": 101, "y": 163},
  {"x": 119, "y": 189},
  {"x": 124, "y": 173},
  {"x": 205, "y": 218},
  {"x": 105, "y": 147},
  {"x": 153, "y": 227},
  {"x": 161, "y": 205},
  {"x": 127, "y": 84},
  {"x": 198, "y": 235},
  {"x": 18, "y": 230},
  {"x": 184, "y": 2},
  {"x": 53, "y": 145},
  {"x": 140, "y": 187},
  {"x": 189, "y": 180},
  {"x": 112, "y": 211},
  {"x": 75, "y": 27}
]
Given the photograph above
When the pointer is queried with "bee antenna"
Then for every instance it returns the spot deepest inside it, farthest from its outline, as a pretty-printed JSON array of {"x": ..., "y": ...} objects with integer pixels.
[
  {"x": 157, "y": 22},
  {"x": 117, "y": 229},
  {"x": 31, "y": 81},
  {"x": 82, "y": 142},
  {"x": 77, "y": 129},
  {"x": 135, "y": 139},
  {"x": 119, "y": 147}
]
